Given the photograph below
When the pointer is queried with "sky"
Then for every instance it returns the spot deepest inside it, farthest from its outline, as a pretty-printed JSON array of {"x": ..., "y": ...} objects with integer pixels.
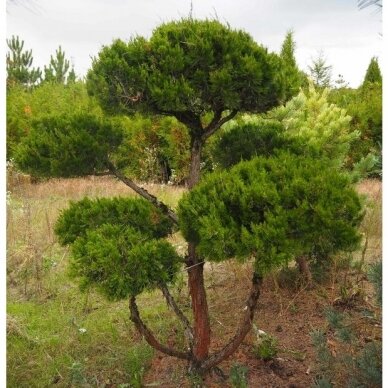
[{"x": 347, "y": 37}]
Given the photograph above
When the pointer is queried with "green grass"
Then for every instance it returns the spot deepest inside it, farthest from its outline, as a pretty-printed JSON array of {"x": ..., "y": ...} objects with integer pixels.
[{"x": 56, "y": 340}]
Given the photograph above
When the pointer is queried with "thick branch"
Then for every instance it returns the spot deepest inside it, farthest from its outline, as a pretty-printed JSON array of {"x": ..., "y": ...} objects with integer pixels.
[
  {"x": 148, "y": 335},
  {"x": 242, "y": 331},
  {"x": 144, "y": 193},
  {"x": 216, "y": 118},
  {"x": 216, "y": 123},
  {"x": 190, "y": 119},
  {"x": 171, "y": 302}
]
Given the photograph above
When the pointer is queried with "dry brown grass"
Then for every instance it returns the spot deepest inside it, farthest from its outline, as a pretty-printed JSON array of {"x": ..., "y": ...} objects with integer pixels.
[
  {"x": 371, "y": 187},
  {"x": 77, "y": 188}
]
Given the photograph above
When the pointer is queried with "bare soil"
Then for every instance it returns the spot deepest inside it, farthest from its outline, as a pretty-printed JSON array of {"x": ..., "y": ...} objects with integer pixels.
[{"x": 289, "y": 315}]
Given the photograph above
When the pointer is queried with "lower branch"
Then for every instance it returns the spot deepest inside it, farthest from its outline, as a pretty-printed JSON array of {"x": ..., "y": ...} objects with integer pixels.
[
  {"x": 144, "y": 193},
  {"x": 171, "y": 302},
  {"x": 148, "y": 335},
  {"x": 242, "y": 331}
]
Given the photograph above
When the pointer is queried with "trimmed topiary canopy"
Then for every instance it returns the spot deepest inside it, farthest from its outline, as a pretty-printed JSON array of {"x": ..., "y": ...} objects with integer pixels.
[
  {"x": 187, "y": 68},
  {"x": 118, "y": 245},
  {"x": 272, "y": 209}
]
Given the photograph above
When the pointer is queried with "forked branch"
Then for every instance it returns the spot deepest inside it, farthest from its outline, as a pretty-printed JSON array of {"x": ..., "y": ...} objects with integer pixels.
[
  {"x": 216, "y": 123},
  {"x": 149, "y": 336}
]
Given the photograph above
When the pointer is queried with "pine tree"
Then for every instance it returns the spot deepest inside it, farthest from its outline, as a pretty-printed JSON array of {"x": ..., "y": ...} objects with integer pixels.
[
  {"x": 340, "y": 82},
  {"x": 293, "y": 76},
  {"x": 72, "y": 77},
  {"x": 323, "y": 128},
  {"x": 373, "y": 73},
  {"x": 320, "y": 71},
  {"x": 19, "y": 64},
  {"x": 58, "y": 67}
]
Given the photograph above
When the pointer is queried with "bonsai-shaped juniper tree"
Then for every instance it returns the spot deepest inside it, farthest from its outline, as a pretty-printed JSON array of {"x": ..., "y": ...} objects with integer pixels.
[
  {"x": 202, "y": 73},
  {"x": 266, "y": 210}
]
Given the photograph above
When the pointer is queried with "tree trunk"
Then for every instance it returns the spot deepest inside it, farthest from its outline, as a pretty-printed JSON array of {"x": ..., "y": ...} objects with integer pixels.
[
  {"x": 195, "y": 273},
  {"x": 199, "y": 305}
]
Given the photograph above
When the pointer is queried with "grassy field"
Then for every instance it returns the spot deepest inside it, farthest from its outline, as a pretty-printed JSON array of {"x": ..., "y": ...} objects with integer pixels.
[{"x": 57, "y": 336}]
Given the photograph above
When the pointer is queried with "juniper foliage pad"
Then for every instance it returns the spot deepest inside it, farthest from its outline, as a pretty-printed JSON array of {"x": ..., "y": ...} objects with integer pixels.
[
  {"x": 68, "y": 145},
  {"x": 272, "y": 209},
  {"x": 88, "y": 214},
  {"x": 188, "y": 67},
  {"x": 118, "y": 246}
]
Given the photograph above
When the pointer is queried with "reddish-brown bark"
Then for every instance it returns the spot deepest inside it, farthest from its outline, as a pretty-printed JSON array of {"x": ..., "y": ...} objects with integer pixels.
[
  {"x": 195, "y": 273},
  {"x": 199, "y": 306}
]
